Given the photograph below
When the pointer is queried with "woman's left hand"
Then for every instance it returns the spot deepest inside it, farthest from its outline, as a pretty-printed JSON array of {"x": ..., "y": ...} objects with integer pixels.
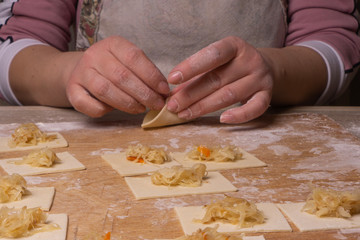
[{"x": 226, "y": 72}]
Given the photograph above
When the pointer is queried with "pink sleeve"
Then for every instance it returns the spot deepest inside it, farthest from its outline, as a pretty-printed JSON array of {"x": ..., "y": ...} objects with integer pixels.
[
  {"x": 43, "y": 20},
  {"x": 329, "y": 21}
]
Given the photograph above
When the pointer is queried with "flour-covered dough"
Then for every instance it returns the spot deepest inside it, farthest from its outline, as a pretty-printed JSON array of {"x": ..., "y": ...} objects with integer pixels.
[
  {"x": 308, "y": 222},
  {"x": 247, "y": 161},
  {"x": 143, "y": 188},
  {"x": 274, "y": 220},
  {"x": 67, "y": 163},
  {"x": 59, "y": 142},
  {"x": 41, "y": 197},
  {"x": 125, "y": 167},
  {"x": 161, "y": 118}
]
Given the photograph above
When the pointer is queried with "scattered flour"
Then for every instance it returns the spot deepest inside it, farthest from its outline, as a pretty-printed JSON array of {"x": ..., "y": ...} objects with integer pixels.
[
  {"x": 345, "y": 156},
  {"x": 280, "y": 150},
  {"x": 76, "y": 185},
  {"x": 174, "y": 142},
  {"x": 316, "y": 151},
  {"x": 311, "y": 176},
  {"x": 34, "y": 180},
  {"x": 169, "y": 203},
  {"x": 106, "y": 151}
]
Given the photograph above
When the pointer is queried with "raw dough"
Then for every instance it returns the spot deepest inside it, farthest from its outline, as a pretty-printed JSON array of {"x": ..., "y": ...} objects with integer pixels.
[
  {"x": 247, "y": 161},
  {"x": 57, "y": 143},
  {"x": 67, "y": 163},
  {"x": 143, "y": 188},
  {"x": 59, "y": 234},
  {"x": 275, "y": 221},
  {"x": 307, "y": 222},
  {"x": 34, "y": 197},
  {"x": 125, "y": 167},
  {"x": 161, "y": 118}
]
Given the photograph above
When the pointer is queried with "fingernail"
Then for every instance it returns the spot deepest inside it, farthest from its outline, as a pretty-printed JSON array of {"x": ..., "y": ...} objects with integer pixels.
[
  {"x": 187, "y": 114},
  {"x": 226, "y": 118},
  {"x": 176, "y": 77},
  {"x": 172, "y": 105},
  {"x": 164, "y": 88}
]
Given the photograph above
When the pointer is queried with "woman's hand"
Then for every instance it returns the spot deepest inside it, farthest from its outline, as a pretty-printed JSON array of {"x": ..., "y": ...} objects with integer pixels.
[
  {"x": 224, "y": 73},
  {"x": 115, "y": 74}
]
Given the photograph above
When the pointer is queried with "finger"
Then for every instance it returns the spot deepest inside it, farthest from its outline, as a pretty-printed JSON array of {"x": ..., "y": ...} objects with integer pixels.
[
  {"x": 136, "y": 60},
  {"x": 216, "y": 80},
  {"x": 210, "y": 57},
  {"x": 237, "y": 91},
  {"x": 83, "y": 102},
  {"x": 124, "y": 79},
  {"x": 105, "y": 91},
  {"x": 254, "y": 108},
  {"x": 181, "y": 86}
]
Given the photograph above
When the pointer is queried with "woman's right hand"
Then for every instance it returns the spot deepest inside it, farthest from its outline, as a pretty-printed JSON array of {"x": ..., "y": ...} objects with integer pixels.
[{"x": 115, "y": 74}]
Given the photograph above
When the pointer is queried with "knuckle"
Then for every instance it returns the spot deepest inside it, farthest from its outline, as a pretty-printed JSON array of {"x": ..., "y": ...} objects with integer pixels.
[
  {"x": 102, "y": 89},
  {"x": 146, "y": 94},
  {"x": 121, "y": 74},
  {"x": 132, "y": 106},
  {"x": 133, "y": 55},
  {"x": 199, "y": 109},
  {"x": 228, "y": 95},
  {"x": 214, "y": 81}
]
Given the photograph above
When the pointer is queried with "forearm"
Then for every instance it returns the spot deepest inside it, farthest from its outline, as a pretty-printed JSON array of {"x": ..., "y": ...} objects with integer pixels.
[
  {"x": 38, "y": 75},
  {"x": 299, "y": 73}
]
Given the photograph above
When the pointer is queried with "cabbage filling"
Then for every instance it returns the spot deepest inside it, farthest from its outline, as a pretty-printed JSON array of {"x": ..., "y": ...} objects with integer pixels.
[{"x": 178, "y": 175}]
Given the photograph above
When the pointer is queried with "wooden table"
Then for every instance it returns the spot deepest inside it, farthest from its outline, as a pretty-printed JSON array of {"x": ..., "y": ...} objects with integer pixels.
[{"x": 300, "y": 145}]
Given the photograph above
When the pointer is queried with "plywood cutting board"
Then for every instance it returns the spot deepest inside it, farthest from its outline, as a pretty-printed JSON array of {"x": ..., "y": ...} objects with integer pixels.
[{"x": 298, "y": 148}]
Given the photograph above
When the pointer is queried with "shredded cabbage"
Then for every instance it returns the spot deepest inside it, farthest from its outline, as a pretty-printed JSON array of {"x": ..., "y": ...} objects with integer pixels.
[
  {"x": 330, "y": 203},
  {"x": 143, "y": 154},
  {"x": 12, "y": 188},
  {"x": 218, "y": 154},
  {"x": 178, "y": 175},
  {"x": 15, "y": 223},
  {"x": 209, "y": 234},
  {"x": 44, "y": 157},
  {"x": 29, "y": 134},
  {"x": 237, "y": 211}
]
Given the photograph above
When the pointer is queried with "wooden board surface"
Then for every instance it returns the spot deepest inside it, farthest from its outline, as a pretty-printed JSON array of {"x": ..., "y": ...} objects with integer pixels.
[{"x": 298, "y": 148}]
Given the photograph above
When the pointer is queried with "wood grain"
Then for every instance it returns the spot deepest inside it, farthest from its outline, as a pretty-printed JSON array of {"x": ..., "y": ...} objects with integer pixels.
[{"x": 299, "y": 149}]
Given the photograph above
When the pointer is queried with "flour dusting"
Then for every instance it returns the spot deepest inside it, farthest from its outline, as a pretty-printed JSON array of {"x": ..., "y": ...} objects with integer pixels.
[
  {"x": 174, "y": 142},
  {"x": 104, "y": 151},
  {"x": 169, "y": 203},
  {"x": 280, "y": 150}
]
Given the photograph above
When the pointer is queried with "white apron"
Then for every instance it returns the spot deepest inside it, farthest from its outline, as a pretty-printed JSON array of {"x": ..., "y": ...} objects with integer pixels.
[{"x": 171, "y": 30}]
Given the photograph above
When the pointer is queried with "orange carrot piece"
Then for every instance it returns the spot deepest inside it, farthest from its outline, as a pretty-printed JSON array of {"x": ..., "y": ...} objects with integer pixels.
[
  {"x": 107, "y": 236},
  {"x": 204, "y": 151}
]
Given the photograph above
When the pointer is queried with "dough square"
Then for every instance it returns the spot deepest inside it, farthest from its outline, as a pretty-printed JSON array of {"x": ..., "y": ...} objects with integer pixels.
[
  {"x": 247, "y": 161},
  {"x": 275, "y": 221},
  {"x": 161, "y": 118},
  {"x": 67, "y": 163},
  {"x": 309, "y": 222},
  {"x": 58, "y": 234},
  {"x": 35, "y": 197},
  {"x": 59, "y": 142},
  {"x": 143, "y": 188},
  {"x": 125, "y": 167}
]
